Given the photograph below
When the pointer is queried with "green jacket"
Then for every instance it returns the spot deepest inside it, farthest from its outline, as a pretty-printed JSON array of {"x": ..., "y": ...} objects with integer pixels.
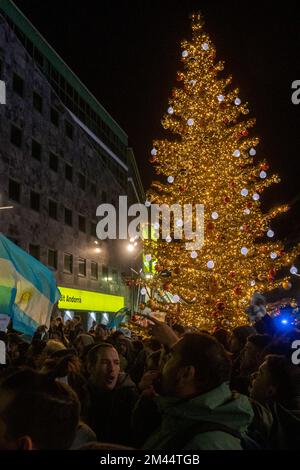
[{"x": 219, "y": 405}]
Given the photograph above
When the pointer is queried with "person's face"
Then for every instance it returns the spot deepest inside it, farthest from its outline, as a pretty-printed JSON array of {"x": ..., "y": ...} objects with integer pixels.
[
  {"x": 234, "y": 345},
  {"x": 249, "y": 357},
  {"x": 122, "y": 347},
  {"x": 170, "y": 372},
  {"x": 107, "y": 369},
  {"x": 261, "y": 388}
]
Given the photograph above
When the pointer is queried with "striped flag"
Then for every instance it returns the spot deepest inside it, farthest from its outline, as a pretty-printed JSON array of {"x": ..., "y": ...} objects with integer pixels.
[{"x": 27, "y": 288}]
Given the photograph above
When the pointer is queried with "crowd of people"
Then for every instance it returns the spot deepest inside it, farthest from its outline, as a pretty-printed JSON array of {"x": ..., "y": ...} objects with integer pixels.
[{"x": 177, "y": 389}]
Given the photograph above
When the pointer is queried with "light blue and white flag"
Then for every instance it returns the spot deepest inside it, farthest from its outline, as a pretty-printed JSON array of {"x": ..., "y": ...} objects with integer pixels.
[{"x": 27, "y": 288}]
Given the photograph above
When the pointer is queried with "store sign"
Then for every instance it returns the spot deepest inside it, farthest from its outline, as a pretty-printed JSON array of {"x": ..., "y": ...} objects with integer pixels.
[{"x": 74, "y": 299}]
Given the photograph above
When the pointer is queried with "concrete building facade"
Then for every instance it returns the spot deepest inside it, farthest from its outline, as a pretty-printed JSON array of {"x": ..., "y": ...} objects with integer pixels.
[{"x": 61, "y": 155}]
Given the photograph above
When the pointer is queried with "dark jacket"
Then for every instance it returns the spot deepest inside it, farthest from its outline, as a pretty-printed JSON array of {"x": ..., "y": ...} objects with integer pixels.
[
  {"x": 278, "y": 426},
  {"x": 109, "y": 411}
]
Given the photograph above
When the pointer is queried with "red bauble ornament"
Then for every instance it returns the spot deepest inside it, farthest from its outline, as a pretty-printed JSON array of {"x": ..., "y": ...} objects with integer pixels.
[
  {"x": 220, "y": 306},
  {"x": 249, "y": 204},
  {"x": 245, "y": 228},
  {"x": 244, "y": 133},
  {"x": 232, "y": 274},
  {"x": 232, "y": 184},
  {"x": 265, "y": 166},
  {"x": 226, "y": 199},
  {"x": 152, "y": 159},
  {"x": 210, "y": 226},
  {"x": 237, "y": 290},
  {"x": 166, "y": 286},
  {"x": 176, "y": 271}
]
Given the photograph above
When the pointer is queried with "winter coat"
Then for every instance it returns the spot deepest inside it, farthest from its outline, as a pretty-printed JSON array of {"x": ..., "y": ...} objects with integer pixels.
[
  {"x": 109, "y": 411},
  {"x": 218, "y": 406}
]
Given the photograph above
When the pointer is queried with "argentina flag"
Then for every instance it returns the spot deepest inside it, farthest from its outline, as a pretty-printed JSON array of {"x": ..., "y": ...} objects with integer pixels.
[{"x": 27, "y": 288}]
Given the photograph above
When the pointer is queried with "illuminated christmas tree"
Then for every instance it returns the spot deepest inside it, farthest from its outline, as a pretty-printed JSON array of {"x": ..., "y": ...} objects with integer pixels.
[{"x": 209, "y": 157}]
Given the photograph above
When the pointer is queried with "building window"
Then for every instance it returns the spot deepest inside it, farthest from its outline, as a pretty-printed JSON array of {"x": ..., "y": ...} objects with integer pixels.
[
  {"x": 104, "y": 196},
  {"x": 54, "y": 117},
  {"x": 94, "y": 189},
  {"x": 53, "y": 162},
  {"x": 34, "y": 250},
  {"x": 68, "y": 263},
  {"x": 81, "y": 223},
  {"x": 16, "y": 135},
  {"x": 81, "y": 181},
  {"x": 69, "y": 172},
  {"x": 52, "y": 259},
  {"x": 81, "y": 267},
  {"x": 105, "y": 273},
  {"x": 14, "y": 190},
  {"x": 52, "y": 209},
  {"x": 93, "y": 229},
  {"x": 68, "y": 217},
  {"x": 34, "y": 201},
  {"x": 37, "y": 102},
  {"x": 18, "y": 85},
  {"x": 36, "y": 150},
  {"x": 69, "y": 130},
  {"x": 94, "y": 270}
]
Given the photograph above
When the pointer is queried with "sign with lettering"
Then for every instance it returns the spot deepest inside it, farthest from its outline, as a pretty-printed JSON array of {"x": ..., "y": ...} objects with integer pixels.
[{"x": 74, "y": 299}]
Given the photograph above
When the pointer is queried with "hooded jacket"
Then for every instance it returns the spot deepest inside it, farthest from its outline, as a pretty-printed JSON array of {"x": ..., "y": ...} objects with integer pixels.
[{"x": 218, "y": 406}]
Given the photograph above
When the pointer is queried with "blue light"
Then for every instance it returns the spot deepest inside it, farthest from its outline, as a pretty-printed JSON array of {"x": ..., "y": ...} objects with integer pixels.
[{"x": 285, "y": 322}]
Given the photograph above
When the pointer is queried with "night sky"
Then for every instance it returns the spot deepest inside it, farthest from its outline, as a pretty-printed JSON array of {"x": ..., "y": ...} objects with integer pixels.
[{"x": 127, "y": 53}]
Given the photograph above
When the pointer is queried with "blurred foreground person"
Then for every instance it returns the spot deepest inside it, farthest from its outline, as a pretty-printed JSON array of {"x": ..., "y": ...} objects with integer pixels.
[{"x": 36, "y": 412}]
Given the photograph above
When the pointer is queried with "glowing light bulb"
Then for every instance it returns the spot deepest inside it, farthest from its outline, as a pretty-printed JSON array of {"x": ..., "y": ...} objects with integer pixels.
[
  {"x": 210, "y": 264},
  {"x": 262, "y": 175},
  {"x": 154, "y": 151},
  {"x": 170, "y": 179},
  {"x": 293, "y": 270},
  {"x": 143, "y": 291},
  {"x": 220, "y": 98},
  {"x": 194, "y": 254},
  {"x": 255, "y": 197},
  {"x": 205, "y": 46},
  {"x": 190, "y": 122},
  {"x": 244, "y": 251},
  {"x": 170, "y": 110},
  {"x": 184, "y": 53},
  {"x": 270, "y": 233},
  {"x": 236, "y": 153},
  {"x": 148, "y": 257},
  {"x": 252, "y": 152},
  {"x": 237, "y": 101},
  {"x": 214, "y": 215},
  {"x": 244, "y": 192}
]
